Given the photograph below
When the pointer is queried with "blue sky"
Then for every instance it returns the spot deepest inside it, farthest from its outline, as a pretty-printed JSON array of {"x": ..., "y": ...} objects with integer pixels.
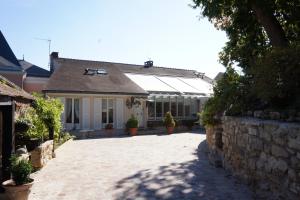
[{"x": 132, "y": 31}]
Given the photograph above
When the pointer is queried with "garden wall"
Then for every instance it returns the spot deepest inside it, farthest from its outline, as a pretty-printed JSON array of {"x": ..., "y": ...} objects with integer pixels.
[
  {"x": 42, "y": 154},
  {"x": 263, "y": 153}
]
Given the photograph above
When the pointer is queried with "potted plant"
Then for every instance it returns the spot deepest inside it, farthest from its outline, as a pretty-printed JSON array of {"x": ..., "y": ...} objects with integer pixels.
[
  {"x": 18, "y": 188},
  {"x": 109, "y": 128},
  {"x": 169, "y": 122},
  {"x": 132, "y": 125}
]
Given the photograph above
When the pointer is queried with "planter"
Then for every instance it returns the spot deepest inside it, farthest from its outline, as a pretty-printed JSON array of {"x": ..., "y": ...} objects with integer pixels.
[
  {"x": 17, "y": 192},
  {"x": 170, "y": 129},
  {"x": 133, "y": 131}
]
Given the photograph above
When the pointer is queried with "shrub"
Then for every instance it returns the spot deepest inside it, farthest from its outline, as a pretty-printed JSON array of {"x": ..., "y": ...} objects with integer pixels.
[
  {"x": 22, "y": 125},
  {"x": 49, "y": 111},
  {"x": 169, "y": 120},
  {"x": 20, "y": 170},
  {"x": 132, "y": 122},
  {"x": 276, "y": 78}
]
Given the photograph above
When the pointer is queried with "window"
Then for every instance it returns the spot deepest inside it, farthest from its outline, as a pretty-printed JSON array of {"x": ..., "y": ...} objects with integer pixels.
[
  {"x": 89, "y": 71},
  {"x": 72, "y": 110},
  {"x": 158, "y": 107},
  {"x": 107, "y": 111},
  {"x": 69, "y": 110},
  {"x": 187, "y": 107},
  {"x": 166, "y": 105},
  {"x": 173, "y": 107},
  {"x": 151, "y": 108},
  {"x": 180, "y": 106},
  {"x": 76, "y": 111}
]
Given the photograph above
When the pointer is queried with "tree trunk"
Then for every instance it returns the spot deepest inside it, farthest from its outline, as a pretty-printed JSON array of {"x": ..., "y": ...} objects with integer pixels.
[
  {"x": 51, "y": 133},
  {"x": 271, "y": 25}
]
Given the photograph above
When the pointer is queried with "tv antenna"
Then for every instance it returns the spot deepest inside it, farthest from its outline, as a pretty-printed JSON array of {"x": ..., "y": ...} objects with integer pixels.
[{"x": 49, "y": 47}]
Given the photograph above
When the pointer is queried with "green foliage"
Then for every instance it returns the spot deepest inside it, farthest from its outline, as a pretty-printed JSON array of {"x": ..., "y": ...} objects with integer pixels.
[
  {"x": 263, "y": 39},
  {"x": 276, "y": 78},
  {"x": 21, "y": 170},
  {"x": 49, "y": 111},
  {"x": 22, "y": 125},
  {"x": 132, "y": 122},
  {"x": 63, "y": 137},
  {"x": 38, "y": 128},
  {"x": 231, "y": 96},
  {"x": 247, "y": 37},
  {"x": 169, "y": 120}
]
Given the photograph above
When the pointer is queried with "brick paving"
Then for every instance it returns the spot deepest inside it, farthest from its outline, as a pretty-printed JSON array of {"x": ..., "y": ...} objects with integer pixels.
[{"x": 140, "y": 167}]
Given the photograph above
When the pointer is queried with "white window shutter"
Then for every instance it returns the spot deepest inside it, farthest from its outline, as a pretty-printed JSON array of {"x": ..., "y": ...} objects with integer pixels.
[
  {"x": 86, "y": 113},
  {"x": 120, "y": 113},
  {"x": 97, "y": 113}
]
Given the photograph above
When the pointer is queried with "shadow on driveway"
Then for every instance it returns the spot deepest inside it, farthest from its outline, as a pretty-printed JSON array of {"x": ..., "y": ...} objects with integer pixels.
[{"x": 191, "y": 180}]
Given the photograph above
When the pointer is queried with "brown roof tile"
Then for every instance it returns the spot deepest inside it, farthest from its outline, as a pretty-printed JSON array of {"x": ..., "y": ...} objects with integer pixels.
[
  {"x": 8, "y": 88},
  {"x": 70, "y": 76}
]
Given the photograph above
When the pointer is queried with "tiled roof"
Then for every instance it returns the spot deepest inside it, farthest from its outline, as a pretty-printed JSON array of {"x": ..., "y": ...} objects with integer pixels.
[
  {"x": 8, "y": 88},
  {"x": 6, "y": 52},
  {"x": 33, "y": 70},
  {"x": 70, "y": 77}
]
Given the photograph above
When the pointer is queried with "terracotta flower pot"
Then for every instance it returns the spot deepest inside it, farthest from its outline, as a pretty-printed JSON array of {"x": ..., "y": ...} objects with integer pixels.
[
  {"x": 17, "y": 192},
  {"x": 170, "y": 129},
  {"x": 133, "y": 131}
]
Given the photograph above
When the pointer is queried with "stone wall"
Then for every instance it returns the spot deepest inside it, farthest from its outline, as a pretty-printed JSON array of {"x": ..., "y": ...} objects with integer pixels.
[
  {"x": 42, "y": 154},
  {"x": 263, "y": 153}
]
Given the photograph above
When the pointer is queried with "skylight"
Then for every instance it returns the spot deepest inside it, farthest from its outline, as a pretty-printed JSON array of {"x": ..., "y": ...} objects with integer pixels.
[{"x": 89, "y": 71}]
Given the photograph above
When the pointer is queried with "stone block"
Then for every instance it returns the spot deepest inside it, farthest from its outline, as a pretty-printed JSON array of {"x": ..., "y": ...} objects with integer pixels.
[
  {"x": 253, "y": 130},
  {"x": 279, "y": 151},
  {"x": 292, "y": 174},
  {"x": 294, "y": 143},
  {"x": 42, "y": 154},
  {"x": 280, "y": 135}
]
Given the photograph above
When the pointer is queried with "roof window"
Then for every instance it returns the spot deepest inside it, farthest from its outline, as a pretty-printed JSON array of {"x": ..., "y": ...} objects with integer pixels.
[{"x": 89, "y": 71}]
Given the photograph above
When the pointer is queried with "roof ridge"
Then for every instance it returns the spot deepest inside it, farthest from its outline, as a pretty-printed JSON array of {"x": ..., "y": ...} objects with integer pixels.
[{"x": 162, "y": 67}]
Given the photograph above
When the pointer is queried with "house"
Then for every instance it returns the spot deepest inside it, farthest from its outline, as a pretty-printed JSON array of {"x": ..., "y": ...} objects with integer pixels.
[
  {"x": 36, "y": 77},
  {"x": 9, "y": 64},
  {"x": 24, "y": 74},
  {"x": 97, "y": 93},
  {"x": 12, "y": 100}
]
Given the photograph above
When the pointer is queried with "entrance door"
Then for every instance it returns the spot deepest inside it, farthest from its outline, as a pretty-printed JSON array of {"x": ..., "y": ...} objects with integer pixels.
[{"x": 139, "y": 113}]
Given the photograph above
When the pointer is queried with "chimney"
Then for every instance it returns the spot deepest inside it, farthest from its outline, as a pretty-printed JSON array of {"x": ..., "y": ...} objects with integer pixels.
[
  {"x": 53, "y": 56},
  {"x": 148, "y": 64}
]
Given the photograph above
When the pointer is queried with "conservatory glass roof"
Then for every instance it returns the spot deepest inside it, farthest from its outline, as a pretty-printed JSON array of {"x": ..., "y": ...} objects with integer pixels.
[{"x": 171, "y": 84}]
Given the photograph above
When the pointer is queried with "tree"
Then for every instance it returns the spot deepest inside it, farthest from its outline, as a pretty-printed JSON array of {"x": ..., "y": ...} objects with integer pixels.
[
  {"x": 49, "y": 111},
  {"x": 252, "y": 26}
]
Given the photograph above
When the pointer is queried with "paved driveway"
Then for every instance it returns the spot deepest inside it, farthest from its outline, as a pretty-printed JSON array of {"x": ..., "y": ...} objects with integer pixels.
[{"x": 140, "y": 167}]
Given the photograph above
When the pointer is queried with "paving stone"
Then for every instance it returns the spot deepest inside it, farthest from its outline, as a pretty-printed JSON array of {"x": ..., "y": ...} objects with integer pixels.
[{"x": 140, "y": 167}]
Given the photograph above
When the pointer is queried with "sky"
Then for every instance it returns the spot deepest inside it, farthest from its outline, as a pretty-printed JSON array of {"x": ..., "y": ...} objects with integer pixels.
[{"x": 169, "y": 32}]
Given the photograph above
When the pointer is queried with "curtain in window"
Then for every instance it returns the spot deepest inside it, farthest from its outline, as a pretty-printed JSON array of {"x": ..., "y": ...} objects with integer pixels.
[
  {"x": 76, "y": 111},
  {"x": 68, "y": 110},
  {"x": 104, "y": 111}
]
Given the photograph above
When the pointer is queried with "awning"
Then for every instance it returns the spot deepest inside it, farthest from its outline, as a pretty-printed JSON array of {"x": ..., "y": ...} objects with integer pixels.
[{"x": 171, "y": 85}]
